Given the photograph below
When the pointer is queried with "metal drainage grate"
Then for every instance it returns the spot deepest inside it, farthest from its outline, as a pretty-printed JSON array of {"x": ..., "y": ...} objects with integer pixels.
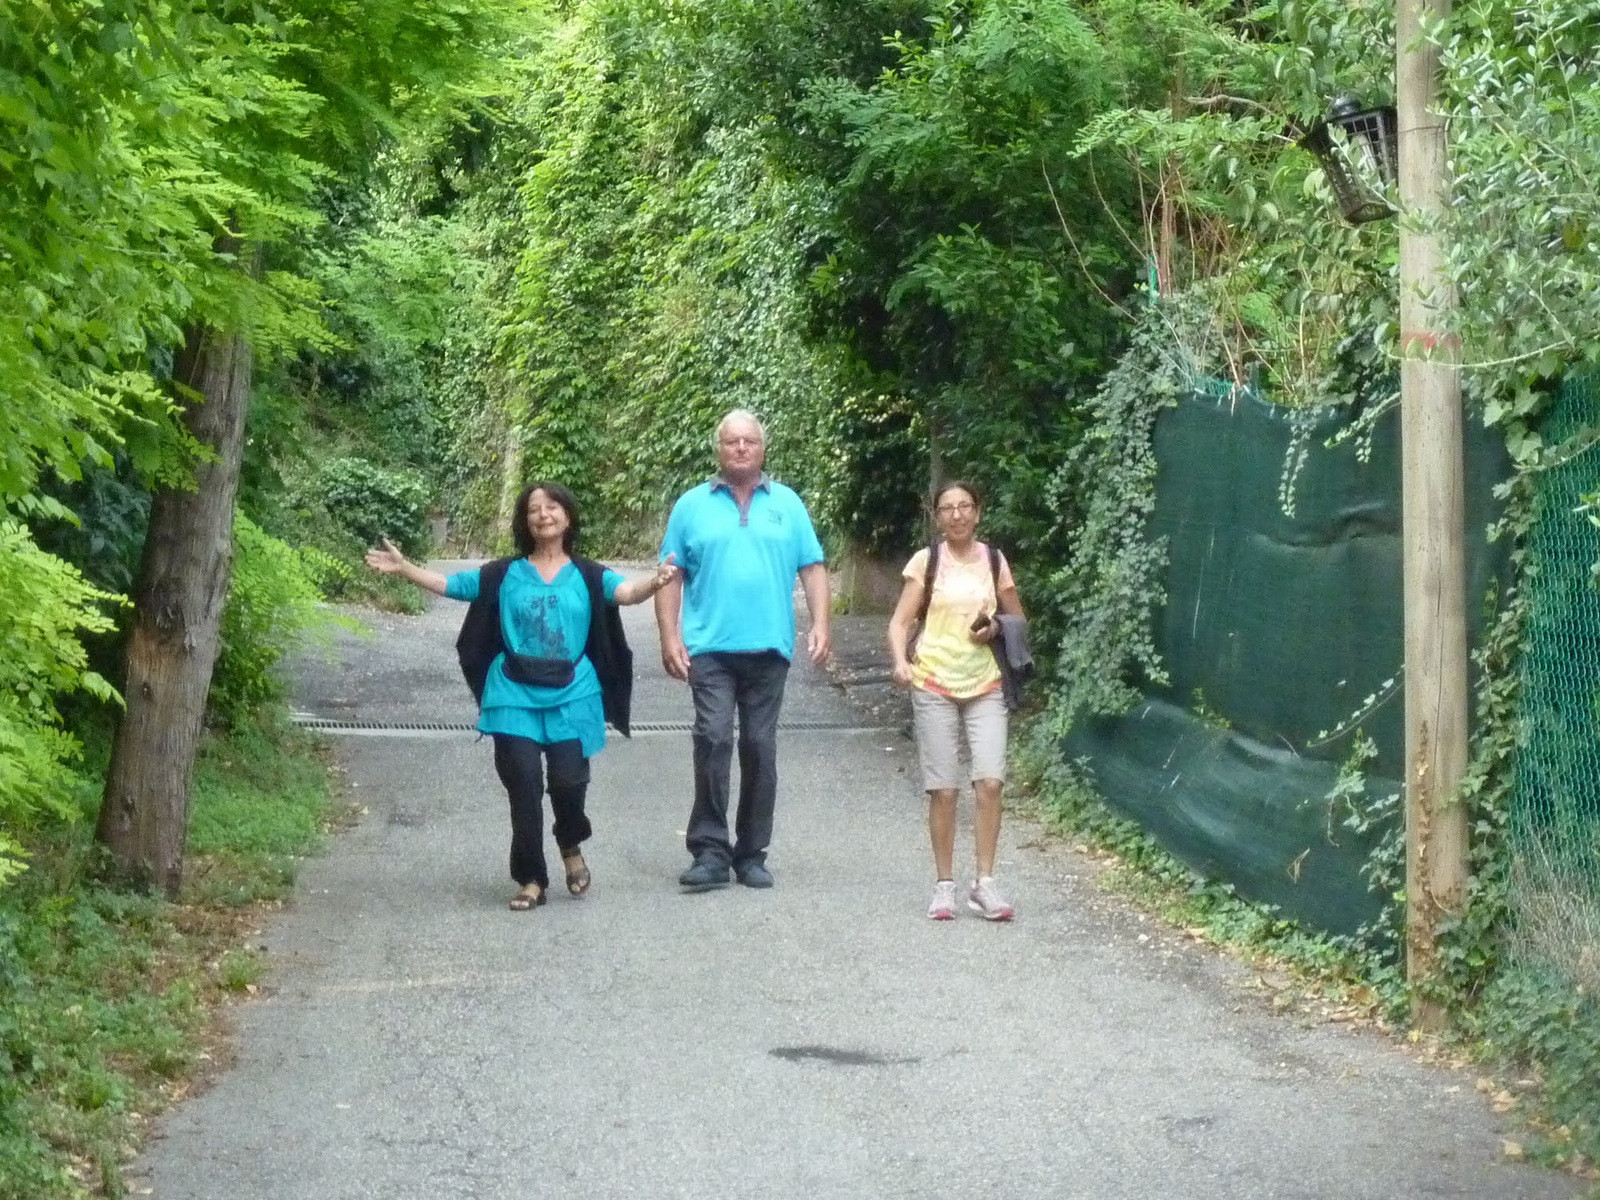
[{"x": 339, "y": 725}]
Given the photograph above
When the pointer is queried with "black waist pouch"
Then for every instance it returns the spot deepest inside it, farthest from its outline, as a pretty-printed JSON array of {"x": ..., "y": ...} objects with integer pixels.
[{"x": 539, "y": 672}]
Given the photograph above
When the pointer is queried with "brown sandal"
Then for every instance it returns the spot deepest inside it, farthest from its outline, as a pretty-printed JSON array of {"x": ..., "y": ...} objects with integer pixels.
[
  {"x": 525, "y": 900},
  {"x": 578, "y": 878}
]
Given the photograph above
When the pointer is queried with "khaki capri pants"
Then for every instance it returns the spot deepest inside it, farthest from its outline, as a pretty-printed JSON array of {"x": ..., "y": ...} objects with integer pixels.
[{"x": 940, "y": 721}]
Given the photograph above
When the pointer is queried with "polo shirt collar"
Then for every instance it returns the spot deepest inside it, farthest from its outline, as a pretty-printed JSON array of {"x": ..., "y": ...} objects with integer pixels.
[{"x": 718, "y": 483}]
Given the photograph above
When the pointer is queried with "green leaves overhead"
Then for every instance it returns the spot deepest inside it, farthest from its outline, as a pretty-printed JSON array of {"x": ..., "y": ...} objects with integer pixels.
[
  {"x": 1524, "y": 83},
  {"x": 133, "y": 137},
  {"x": 862, "y": 221}
]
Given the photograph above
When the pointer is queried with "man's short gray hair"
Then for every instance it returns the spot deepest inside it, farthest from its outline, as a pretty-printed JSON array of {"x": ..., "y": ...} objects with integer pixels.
[{"x": 738, "y": 414}]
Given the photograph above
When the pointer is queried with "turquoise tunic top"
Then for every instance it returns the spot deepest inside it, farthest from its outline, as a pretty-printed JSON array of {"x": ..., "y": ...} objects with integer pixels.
[{"x": 545, "y": 620}]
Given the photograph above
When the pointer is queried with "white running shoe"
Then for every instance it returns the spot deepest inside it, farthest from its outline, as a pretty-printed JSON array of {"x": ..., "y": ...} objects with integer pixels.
[
  {"x": 943, "y": 905},
  {"x": 988, "y": 903}
]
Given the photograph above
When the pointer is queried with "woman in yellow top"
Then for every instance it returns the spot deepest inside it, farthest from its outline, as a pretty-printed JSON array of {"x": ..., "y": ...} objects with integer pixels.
[{"x": 955, "y": 687}]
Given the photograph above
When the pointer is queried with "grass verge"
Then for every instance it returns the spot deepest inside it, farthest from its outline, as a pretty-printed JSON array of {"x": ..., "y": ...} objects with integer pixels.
[{"x": 108, "y": 1000}]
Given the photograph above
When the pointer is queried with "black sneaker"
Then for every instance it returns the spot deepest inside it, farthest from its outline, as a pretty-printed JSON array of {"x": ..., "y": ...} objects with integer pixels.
[
  {"x": 753, "y": 874},
  {"x": 704, "y": 875}
]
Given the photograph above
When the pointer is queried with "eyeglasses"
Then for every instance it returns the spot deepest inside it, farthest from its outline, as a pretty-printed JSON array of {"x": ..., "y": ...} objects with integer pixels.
[{"x": 964, "y": 509}]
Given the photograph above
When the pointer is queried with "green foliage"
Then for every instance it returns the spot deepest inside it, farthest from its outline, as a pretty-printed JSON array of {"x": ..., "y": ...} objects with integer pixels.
[
  {"x": 109, "y": 511},
  {"x": 78, "y": 994},
  {"x": 142, "y": 143},
  {"x": 47, "y": 605},
  {"x": 96, "y": 235},
  {"x": 104, "y": 995},
  {"x": 272, "y": 601},
  {"x": 1524, "y": 94},
  {"x": 1381, "y": 942},
  {"x": 972, "y": 266},
  {"x": 1535, "y": 1019},
  {"x": 658, "y": 285},
  {"x": 1100, "y": 603},
  {"x": 855, "y": 231},
  {"x": 238, "y": 970},
  {"x": 370, "y": 502}
]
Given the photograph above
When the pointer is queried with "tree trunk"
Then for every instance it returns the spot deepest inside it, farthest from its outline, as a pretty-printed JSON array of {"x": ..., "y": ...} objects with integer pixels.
[{"x": 178, "y": 601}]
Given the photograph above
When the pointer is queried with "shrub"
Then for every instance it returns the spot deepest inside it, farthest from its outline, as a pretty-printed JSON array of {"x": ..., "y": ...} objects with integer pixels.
[
  {"x": 329, "y": 574},
  {"x": 372, "y": 502},
  {"x": 272, "y": 601}
]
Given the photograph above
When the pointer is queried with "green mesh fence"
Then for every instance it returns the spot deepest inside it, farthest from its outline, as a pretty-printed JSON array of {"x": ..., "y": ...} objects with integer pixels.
[
  {"x": 1277, "y": 627},
  {"x": 1555, "y": 815}
]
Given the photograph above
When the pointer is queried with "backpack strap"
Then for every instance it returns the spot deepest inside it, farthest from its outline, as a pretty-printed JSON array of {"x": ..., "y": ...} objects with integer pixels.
[{"x": 928, "y": 576}]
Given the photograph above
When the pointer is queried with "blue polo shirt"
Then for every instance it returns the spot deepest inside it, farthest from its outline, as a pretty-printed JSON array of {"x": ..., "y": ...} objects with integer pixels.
[{"x": 739, "y": 568}]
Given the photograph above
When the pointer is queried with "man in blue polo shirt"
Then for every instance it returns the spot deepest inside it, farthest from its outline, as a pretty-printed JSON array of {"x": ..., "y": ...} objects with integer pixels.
[{"x": 727, "y": 628}]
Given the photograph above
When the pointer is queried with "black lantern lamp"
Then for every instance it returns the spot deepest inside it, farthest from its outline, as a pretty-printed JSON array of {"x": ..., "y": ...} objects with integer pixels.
[{"x": 1360, "y": 157}]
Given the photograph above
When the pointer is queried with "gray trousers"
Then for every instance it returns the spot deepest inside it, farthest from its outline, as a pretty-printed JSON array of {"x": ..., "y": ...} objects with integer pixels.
[{"x": 750, "y": 685}]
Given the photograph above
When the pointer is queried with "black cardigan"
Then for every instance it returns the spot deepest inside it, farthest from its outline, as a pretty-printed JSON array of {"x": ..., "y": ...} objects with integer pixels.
[{"x": 481, "y": 639}]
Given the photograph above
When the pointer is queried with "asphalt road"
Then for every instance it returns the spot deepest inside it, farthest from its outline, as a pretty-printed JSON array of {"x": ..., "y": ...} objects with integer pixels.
[{"x": 418, "y": 1040}]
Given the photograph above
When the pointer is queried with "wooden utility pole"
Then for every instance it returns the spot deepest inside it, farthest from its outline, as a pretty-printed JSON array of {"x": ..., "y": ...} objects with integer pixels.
[{"x": 1432, "y": 508}]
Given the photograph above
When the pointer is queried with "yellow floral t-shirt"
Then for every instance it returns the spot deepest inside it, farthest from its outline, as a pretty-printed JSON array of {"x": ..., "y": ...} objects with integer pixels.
[{"x": 947, "y": 660}]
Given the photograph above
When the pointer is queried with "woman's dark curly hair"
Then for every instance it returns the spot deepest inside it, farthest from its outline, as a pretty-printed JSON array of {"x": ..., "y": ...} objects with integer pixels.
[{"x": 523, "y": 536}]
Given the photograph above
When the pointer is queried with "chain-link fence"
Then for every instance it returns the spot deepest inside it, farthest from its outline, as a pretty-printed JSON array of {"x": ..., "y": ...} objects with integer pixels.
[{"x": 1555, "y": 815}]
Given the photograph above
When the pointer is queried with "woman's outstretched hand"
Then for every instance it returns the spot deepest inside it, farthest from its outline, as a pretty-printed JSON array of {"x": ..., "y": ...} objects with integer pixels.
[
  {"x": 386, "y": 559},
  {"x": 665, "y": 574},
  {"x": 636, "y": 591}
]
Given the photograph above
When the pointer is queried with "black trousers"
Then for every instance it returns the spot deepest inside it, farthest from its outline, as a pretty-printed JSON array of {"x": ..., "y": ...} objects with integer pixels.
[
  {"x": 517, "y": 761},
  {"x": 751, "y": 685}
]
